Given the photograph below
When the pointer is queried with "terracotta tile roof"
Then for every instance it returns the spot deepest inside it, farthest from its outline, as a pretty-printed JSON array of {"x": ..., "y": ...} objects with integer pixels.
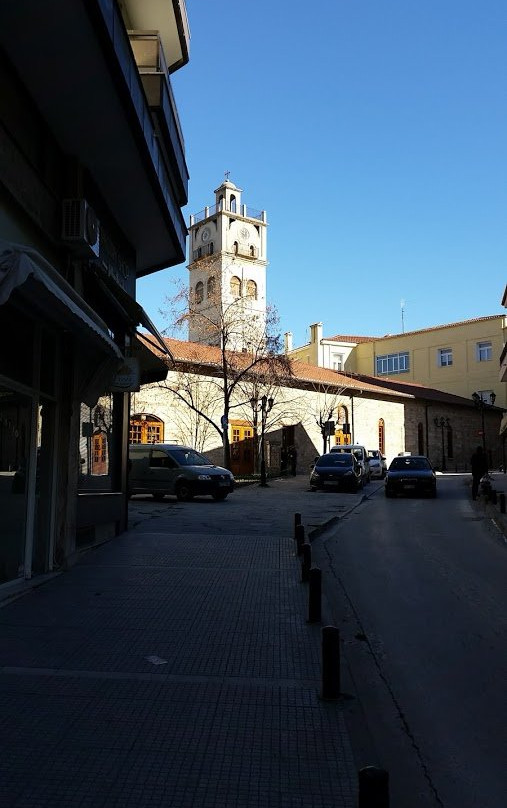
[
  {"x": 348, "y": 338},
  {"x": 206, "y": 355},
  {"x": 185, "y": 353},
  {"x": 416, "y": 390},
  {"x": 340, "y": 338}
]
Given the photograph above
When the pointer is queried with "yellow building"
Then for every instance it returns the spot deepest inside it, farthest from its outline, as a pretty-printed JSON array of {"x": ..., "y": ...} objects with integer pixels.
[{"x": 459, "y": 358}]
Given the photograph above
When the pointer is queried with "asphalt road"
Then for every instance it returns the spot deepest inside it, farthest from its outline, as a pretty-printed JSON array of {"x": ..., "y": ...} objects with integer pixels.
[{"x": 417, "y": 588}]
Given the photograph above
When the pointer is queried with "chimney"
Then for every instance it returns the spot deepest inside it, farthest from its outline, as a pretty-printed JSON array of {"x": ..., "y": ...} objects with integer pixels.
[
  {"x": 316, "y": 333},
  {"x": 288, "y": 341}
]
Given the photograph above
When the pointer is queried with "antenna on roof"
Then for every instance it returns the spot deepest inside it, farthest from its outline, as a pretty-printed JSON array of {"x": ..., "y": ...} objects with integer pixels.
[{"x": 402, "y": 304}]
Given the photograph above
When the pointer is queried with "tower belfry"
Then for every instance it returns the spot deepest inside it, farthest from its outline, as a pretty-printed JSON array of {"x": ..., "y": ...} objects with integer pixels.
[{"x": 227, "y": 272}]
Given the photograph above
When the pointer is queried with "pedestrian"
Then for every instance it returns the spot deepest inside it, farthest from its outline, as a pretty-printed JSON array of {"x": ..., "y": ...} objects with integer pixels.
[
  {"x": 293, "y": 460},
  {"x": 479, "y": 464},
  {"x": 283, "y": 461}
]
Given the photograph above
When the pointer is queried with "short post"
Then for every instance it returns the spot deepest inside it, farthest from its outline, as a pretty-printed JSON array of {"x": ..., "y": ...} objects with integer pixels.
[
  {"x": 314, "y": 595},
  {"x": 300, "y": 539},
  {"x": 502, "y": 502},
  {"x": 330, "y": 663},
  {"x": 373, "y": 787},
  {"x": 306, "y": 562},
  {"x": 297, "y": 521}
]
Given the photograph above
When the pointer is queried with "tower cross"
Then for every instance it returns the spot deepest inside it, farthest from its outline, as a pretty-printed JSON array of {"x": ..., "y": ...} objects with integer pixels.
[{"x": 227, "y": 175}]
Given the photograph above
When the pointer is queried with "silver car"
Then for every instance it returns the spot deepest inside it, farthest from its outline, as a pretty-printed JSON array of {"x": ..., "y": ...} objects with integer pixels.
[{"x": 378, "y": 465}]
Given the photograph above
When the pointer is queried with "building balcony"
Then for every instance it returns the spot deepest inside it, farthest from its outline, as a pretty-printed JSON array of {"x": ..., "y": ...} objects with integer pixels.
[
  {"x": 97, "y": 110},
  {"x": 150, "y": 59},
  {"x": 166, "y": 17}
]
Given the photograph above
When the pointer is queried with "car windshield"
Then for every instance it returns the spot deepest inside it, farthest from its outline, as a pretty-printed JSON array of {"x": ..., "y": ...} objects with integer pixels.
[
  {"x": 409, "y": 463},
  {"x": 373, "y": 454},
  {"x": 335, "y": 459},
  {"x": 189, "y": 457}
]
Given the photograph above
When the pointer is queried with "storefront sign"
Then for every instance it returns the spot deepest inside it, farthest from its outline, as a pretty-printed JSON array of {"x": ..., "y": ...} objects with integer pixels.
[{"x": 127, "y": 378}]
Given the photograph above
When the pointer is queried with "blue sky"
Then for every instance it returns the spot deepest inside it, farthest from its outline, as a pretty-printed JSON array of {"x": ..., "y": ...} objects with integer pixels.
[{"x": 374, "y": 135}]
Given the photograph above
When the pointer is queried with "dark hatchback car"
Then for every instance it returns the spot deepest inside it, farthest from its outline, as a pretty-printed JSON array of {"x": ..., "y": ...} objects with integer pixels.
[
  {"x": 412, "y": 475},
  {"x": 336, "y": 470}
]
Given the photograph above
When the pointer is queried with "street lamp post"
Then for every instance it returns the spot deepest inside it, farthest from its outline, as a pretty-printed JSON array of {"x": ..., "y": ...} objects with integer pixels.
[
  {"x": 482, "y": 404},
  {"x": 263, "y": 406},
  {"x": 442, "y": 423}
]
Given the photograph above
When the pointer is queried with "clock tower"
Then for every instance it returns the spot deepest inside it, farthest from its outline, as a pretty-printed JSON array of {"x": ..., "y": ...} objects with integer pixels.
[{"x": 227, "y": 272}]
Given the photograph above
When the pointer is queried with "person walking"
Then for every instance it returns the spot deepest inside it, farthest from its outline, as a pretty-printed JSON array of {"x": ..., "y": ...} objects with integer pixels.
[
  {"x": 293, "y": 457},
  {"x": 479, "y": 464}
]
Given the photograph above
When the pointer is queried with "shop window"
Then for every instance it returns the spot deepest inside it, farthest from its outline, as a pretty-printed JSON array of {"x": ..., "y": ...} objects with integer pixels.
[{"x": 96, "y": 433}]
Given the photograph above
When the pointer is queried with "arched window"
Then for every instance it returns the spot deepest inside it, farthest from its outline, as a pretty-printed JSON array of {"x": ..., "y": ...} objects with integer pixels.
[
  {"x": 211, "y": 248},
  {"x": 221, "y": 202},
  {"x": 233, "y": 204},
  {"x": 199, "y": 291},
  {"x": 251, "y": 290},
  {"x": 145, "y": 428},
  {"x": 420, "y": 438},
  {"x": 235, "y": 246},
  {"x": 210, "y": 287},
  {"x": 235, "y": 287},
  {"x": 381, "y": 435}
]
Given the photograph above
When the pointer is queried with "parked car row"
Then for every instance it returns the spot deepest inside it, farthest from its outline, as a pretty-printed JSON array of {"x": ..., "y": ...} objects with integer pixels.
[
  {"x": 160, "y": 469},
  {"x": 347, "y": 468}
]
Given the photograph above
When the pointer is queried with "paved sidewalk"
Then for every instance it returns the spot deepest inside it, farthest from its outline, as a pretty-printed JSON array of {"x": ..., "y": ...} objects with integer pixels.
[{"x": 175, "y": 669}]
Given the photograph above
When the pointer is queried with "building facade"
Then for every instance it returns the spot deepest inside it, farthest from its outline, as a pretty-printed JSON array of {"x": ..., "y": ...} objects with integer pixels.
[
  {"x": 92, "y": 181},
  {"x": 388, "y": 416},
  {"x": 459, "y": 358}
]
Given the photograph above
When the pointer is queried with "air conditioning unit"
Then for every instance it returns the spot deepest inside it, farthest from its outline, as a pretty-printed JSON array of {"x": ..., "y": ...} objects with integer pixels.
[{"x": 80, "y": 227}]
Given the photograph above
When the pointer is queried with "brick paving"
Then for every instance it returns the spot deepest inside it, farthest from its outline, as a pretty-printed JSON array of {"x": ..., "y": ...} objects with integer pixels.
[{"x": 175, "y": 668}]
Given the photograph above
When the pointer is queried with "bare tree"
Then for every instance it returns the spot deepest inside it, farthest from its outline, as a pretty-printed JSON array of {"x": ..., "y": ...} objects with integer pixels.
[
  {"x": 245, "y": 349},
  {"x": 326, "y": 406}
]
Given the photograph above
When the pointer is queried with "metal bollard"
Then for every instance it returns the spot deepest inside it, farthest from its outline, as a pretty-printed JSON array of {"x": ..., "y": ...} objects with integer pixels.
[
  {"x": 297, "y": 521},
  {"x": 330, "y": 663},
  {"x": 300, "y": 538},
  {"x": 306, "y": 562},
  {"x": 314, "y": 595},
  {"x": 373, "y": 787},
  {"x": 502, "y": 502}
]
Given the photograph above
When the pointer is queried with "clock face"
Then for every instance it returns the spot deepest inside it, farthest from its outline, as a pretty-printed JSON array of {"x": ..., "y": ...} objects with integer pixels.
[
  {"x": 244, "y": 233},
  {"x": 206, "y": 233}
]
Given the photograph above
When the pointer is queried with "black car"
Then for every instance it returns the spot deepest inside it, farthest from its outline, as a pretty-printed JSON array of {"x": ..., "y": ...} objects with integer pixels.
[
  {"x": 411, "y": 475},
  {"x": 336, "y": 470}
]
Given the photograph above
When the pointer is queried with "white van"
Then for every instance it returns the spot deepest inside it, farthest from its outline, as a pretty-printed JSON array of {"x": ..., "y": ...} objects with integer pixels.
[{"x": 361, "y": 456}]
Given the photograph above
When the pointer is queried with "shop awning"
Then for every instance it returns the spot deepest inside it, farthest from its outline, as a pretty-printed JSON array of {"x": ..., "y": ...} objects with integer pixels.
[
  {"x": 131, "y": 310},
  {"x": 25, "y": 270}
]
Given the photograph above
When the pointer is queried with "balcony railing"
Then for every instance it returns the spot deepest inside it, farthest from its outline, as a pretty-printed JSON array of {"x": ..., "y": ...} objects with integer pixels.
[{"x": 240, "y": 210}]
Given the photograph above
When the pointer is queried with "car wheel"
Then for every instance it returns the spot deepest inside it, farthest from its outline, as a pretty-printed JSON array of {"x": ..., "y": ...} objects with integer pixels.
[
  {"x": 158, "y": 496},
  {"x": 183, "y": 492},
  {"x": 219, "y": 495}
]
